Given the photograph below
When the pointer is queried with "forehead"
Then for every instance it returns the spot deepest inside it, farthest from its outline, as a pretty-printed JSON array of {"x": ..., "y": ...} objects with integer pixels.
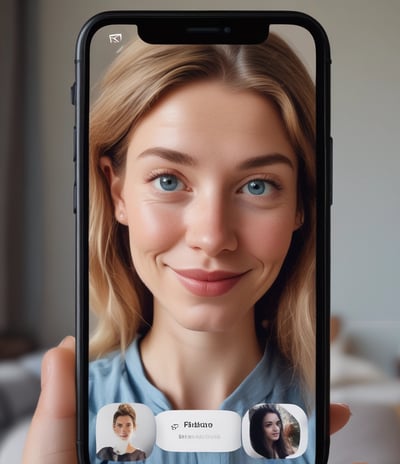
[
  {"x": 123, "y": 420},
  {"x": 211, "y": 117},
  {"x": 271, "y": 417}
]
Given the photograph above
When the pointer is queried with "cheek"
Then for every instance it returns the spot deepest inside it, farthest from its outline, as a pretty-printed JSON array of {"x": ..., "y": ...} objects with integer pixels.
[
  {"x": 152, "y": 227},
  {"x": 268, "y": 238}
]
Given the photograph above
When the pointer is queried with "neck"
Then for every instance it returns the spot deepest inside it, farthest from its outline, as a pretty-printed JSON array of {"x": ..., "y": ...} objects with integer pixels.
[
  {"x": 199, "y": 369},
  {"x": 271, "y": 445}
]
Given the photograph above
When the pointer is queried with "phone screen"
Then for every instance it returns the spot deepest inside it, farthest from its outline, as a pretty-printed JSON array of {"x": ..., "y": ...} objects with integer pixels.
[{"x": 203, "y": 239}]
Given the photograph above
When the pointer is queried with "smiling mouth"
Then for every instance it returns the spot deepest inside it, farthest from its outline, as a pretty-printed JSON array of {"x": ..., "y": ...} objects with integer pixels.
[{"x": 211, "y": 284}]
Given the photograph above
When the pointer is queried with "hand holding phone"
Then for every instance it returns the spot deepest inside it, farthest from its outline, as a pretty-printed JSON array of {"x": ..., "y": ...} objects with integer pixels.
[
  {"x": 56, "y": 415},
  {"x": 203, "y": 195}
]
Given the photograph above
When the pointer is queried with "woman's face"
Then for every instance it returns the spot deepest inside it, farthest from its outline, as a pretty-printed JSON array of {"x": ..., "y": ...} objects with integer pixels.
[
  {"x": 209, "y": 197},
  {"x": 272, "y": 426},
  {"x": 123, "y": 427}
]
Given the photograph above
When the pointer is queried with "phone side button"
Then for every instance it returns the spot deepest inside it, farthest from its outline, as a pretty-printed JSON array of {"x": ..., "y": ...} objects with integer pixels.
[
  {"x": 73, "y": 93},
  {"x": 330, "y": 174},
  {"x": 74, "y": 144},
  {"x": 74, "y": 198}
]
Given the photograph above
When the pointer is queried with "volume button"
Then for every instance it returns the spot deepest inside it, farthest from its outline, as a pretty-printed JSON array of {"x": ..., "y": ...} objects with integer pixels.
[
  {"x": 74, "y": 148},
  {"x": 330, "y": 174},
  {"x": 73, "y": 93},
  {"x": 74, "y": 198}
]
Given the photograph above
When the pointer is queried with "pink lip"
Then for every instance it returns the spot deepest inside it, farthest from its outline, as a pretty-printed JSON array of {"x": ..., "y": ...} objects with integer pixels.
[{"x": 204, "y": 283}]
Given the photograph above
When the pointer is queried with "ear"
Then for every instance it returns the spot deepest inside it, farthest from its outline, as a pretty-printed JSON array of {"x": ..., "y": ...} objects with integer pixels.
[
  {"x": 299, "y": 220},
  {"x": 115, "y": 183}
]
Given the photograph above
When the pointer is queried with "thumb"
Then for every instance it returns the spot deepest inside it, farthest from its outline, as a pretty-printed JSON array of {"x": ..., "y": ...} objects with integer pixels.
[
  {"x": 339, "y": 415},
  {"x": 52, "y": 434}
]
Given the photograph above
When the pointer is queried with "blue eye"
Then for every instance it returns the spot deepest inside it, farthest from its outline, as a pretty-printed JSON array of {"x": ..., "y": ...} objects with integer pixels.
[
  {"x": 257, "y": 187},
  {"x": 168, "y": 183}
]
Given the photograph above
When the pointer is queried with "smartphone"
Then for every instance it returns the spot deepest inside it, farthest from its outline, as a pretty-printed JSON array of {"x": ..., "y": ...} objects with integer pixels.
[{"x": 202, "y": 197}]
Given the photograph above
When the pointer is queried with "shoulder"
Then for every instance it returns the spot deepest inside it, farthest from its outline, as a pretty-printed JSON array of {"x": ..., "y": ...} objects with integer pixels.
[
  {"x": 104, "y": 366},
  {"x": 116, "y": 377},
  {"x": 105, "y": 453},
  {"x": 113, "y": 362},
  {"x": 137, "y": 455},
  {"x": 105, "y": 377}
]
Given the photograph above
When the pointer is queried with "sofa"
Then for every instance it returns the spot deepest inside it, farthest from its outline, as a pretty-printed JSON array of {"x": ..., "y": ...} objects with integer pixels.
[{"x": 19, "y": 391}]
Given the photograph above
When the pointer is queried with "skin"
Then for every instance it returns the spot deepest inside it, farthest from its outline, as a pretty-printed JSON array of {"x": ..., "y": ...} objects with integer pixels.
[
  {"x": 209, "y": 221},
  {"x": 123, "y": 427},
  {"x": 194, "y": 198},
  {"x": 272, "y": 427}
]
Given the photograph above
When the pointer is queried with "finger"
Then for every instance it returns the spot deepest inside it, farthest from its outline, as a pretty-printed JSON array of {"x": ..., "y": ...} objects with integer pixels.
[
  {"x": 52, "y": 434},
  {"x": 340, "y": 415}
]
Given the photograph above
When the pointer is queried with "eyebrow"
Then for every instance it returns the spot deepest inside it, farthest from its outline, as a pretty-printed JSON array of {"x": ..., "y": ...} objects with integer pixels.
[
  {"x": 187, "y": 160},
  {"x": 266, "y": 160},
  {"x": 169, "y": 155},
  {"x": 272, "y": 422}
]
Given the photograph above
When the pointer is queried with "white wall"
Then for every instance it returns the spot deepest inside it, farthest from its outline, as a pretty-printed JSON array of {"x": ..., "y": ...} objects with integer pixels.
[{"x": 364, "y": 39}]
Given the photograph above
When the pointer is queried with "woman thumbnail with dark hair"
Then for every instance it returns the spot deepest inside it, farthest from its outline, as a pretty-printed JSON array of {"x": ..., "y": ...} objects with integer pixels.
[{"x": 266, "y": 433}]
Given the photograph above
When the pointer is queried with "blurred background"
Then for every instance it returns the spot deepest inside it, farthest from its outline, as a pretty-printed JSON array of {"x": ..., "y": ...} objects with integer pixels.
[{"x": 37, "y": 222}]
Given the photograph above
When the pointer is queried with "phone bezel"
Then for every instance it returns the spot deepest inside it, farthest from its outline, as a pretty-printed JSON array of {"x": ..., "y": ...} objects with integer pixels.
[{"x": 161, "y": 21}]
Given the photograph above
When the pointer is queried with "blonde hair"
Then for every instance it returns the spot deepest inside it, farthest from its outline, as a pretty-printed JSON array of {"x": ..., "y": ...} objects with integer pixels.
[{"x": 133, "y": 84}]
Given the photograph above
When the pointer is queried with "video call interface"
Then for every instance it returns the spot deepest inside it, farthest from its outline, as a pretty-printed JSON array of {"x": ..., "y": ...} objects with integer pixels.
[{"x": 191, "y": 430}]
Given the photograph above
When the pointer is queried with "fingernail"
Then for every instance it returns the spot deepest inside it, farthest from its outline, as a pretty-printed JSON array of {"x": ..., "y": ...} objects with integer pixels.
[
  {"x": 346, "y": 406},
  {"x": 66, "y": 341}
]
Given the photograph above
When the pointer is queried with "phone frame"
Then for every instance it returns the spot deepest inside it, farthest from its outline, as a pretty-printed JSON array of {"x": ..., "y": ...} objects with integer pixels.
[{"x": 162, "y": 22}]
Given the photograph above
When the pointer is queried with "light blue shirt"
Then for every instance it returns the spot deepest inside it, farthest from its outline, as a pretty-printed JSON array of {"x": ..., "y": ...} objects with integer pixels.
[{"x": 116, "y": 379}]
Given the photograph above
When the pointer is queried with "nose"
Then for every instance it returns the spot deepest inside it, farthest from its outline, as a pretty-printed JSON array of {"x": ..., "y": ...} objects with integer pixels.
[
  {"x": 125, "y": 430},
  {"x": 210, "y": 224}
]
